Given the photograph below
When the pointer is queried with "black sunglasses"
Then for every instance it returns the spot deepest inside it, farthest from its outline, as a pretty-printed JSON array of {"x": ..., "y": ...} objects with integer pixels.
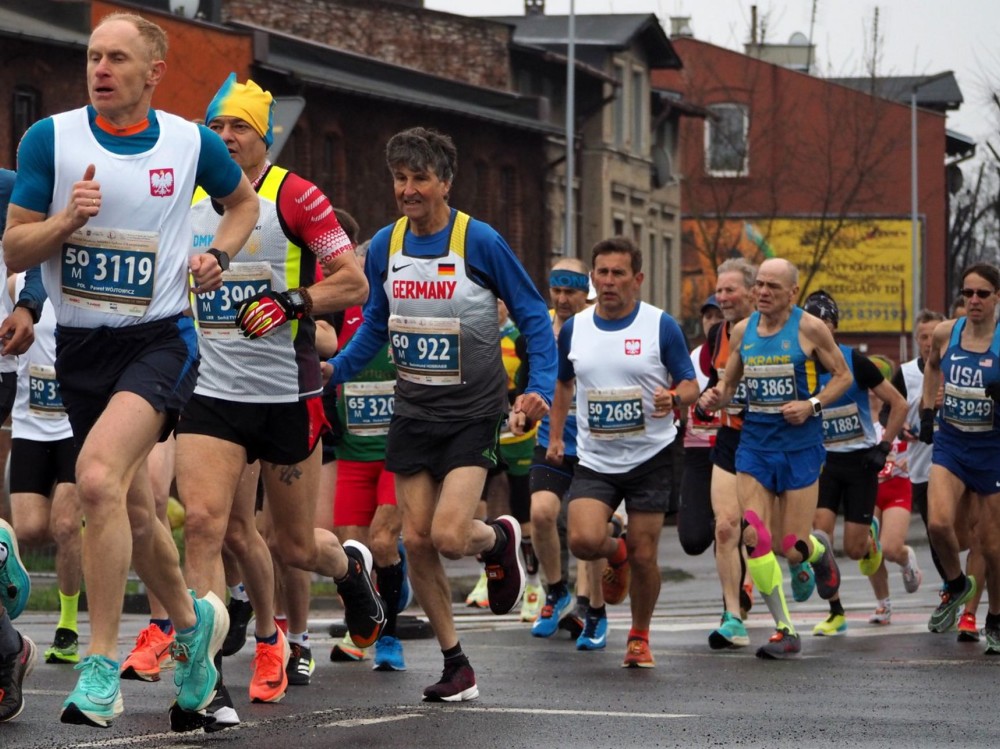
[{"x": 981, "y": 293}]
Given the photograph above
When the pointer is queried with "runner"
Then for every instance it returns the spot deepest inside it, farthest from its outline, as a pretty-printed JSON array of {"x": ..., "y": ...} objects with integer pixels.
[
  {"x": 435, "y": 276},
  {"x": 629, "y": 365},
  {"x": 781, "y": 453},
  {"x": 115, "y": 244}
]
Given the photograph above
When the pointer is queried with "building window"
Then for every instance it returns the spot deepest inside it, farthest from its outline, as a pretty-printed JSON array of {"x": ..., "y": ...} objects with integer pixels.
[
  {"x": 24, "y": 112},
  {"x": 481, "y": 190},
  {"x": 619, "y": 108},
  {"x": 618, "y": 226},
  {"x": 726, "y": 151},
  {"x": 638, "y": 111}
]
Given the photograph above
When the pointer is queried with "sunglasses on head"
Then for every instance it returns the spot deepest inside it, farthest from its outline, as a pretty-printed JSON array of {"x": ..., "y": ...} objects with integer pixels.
[{"x": 981, "y": 293}]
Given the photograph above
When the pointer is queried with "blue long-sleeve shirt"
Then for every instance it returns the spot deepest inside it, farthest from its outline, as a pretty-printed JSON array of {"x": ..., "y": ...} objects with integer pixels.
[{"x": 491, "y": 264}]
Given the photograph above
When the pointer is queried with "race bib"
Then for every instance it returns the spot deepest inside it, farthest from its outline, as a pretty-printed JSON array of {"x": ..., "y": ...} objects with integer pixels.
[
  {"x": 216, "y": 310},
  {"x": 425, "y": 350},
  {"x": 44, "y": 400},
  {"x": 967, "y": 409},
  {"x": 615, "y": 413},
  {"x": 842, "y": 426},
  {"x": 770, "y": 386},
  {"x": 368, "y": 406},
  {"x": 739, "y": 401},
  {"x": 110, "y": 270}
]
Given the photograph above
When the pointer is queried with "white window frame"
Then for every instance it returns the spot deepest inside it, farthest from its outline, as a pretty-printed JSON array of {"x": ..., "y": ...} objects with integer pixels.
[{"x": 710, "y": 131}]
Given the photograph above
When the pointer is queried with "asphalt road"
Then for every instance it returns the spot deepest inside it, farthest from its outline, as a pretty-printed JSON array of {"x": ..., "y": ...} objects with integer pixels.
[{"x": 876, "y": 686}]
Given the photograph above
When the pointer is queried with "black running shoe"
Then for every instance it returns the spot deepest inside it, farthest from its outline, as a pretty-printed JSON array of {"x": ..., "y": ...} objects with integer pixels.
[
  {"x": 504, "y": 570},
  {"x": 240, "y": 614},
  {"x": 300, "y": 665},
  {"x": 364, "y": 611},
  {"x": 13, "y": 669}
]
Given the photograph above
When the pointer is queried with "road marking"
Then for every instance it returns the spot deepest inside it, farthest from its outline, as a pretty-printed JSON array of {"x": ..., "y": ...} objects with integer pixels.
[
  {"x": 575, "y": 713},
  {"x": 353, "y": 722}
]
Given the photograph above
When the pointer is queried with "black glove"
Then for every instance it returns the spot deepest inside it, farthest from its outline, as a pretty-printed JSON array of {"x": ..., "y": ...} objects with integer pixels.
[
  {"x": 927, "y": 426},
  {"x": 993, "y": 391},
  {"x": 875, "y": 457}
]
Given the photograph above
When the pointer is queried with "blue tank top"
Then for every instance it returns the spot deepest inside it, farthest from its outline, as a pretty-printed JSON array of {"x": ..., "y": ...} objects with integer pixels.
[
  {"x": 847, "y": 422},
  {"x": 968, "y": 415},
  {"x": 777, "y": 371}
]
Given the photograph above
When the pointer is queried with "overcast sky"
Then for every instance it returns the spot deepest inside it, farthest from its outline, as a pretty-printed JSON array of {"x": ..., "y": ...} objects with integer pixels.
[{"x": 919, "y": 37}]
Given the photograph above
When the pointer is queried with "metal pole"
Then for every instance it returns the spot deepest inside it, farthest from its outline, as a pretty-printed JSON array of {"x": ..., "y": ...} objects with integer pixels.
[
  {"x": 569, "y": 246},
  {"x": 914, "y": 226}
]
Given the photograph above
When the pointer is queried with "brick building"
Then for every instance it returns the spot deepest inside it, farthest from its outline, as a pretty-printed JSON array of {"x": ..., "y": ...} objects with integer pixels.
[{"x": 796, "y": 166}]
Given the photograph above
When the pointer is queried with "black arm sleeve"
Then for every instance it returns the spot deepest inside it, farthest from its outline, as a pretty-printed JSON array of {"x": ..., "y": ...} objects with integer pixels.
[{"x": 866, "y": 374}]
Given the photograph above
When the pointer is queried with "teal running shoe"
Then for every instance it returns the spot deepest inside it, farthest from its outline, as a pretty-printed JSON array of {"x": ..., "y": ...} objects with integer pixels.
[
  {"x": 193, "y": 652},
  {"x": 97, "y": 698},
  {"x": 15, "y": 585},
  {"x": 803, "y": 580},
  {"x": 731, "y": 633}
]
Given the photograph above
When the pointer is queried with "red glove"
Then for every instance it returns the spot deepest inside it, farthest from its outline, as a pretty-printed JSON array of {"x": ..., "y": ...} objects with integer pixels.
[{"x": 262, "y": 314}]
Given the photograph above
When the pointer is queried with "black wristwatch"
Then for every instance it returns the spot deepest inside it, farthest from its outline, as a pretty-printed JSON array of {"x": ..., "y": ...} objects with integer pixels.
[
  {"x": 33, "y": 307},
  {"x": 817, "y": 406},
  {"x": 300, "y": 304},
  {"x": 221, "y": 257}
]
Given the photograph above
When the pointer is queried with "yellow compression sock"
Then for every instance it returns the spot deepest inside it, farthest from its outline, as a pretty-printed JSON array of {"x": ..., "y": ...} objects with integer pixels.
[
  {"x": 766, "y": 575},
  {"x": 68, "y": 607},
  {"x": 818, "y": 549}
]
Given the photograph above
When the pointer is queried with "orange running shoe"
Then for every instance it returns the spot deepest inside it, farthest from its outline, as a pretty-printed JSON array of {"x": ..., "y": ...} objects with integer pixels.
[
  {"x": 150, "y": 654},
  {"x": 617, "y": 578},
  {"x": 967, "y": 629},
  {"x": 270, "y": 680},
  {"x": 638, "y": 655}
]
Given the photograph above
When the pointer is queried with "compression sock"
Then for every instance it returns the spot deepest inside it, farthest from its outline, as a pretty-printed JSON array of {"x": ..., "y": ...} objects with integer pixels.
[
  {"x": 818, "y": 549},
  {"x": 766, "y": 575},
  {"x": 68, "y": 608}
]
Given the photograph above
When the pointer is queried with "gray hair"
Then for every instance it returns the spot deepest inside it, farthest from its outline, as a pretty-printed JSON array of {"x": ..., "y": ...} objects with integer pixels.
[
  {"x": 742, "y": 266},
  {"x": 422, "y": 149}
]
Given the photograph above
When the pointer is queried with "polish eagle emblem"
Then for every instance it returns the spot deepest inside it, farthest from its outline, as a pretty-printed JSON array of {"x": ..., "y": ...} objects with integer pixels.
[{"x": 161, "y": 182}]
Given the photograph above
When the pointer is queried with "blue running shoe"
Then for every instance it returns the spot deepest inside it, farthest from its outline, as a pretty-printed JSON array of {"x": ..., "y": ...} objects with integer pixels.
[
  {"x": 731, "y": 633},
  {"x": 97, "y": 698},
  {"x": 555, "y": 608},
  {"x": 15, "y": 585},
  {"x": 803, "y": 581},
  {"x": 389, "y": 654},
  {"x": 595, "y": 633},
  {"x": 193, "y": 653},
  {"x": 405, "y": 592}
]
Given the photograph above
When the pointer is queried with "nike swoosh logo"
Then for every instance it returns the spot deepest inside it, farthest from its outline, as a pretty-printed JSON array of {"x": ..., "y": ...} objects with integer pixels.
[
  {"x": 747, "y": 346},
  {"x": 352, "y": 320},
  {"x": 397, "y": 268},
  {"x": 101, "y": 700},
  {"x": 958, "y": 358}
]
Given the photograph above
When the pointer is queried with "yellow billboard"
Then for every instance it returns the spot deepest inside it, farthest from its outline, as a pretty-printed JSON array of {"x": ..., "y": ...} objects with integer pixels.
[{"x": 865, "y": 264}]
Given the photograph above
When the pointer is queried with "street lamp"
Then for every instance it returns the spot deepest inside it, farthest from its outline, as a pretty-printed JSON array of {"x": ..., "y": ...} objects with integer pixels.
[{"x": 917, "y": 281}]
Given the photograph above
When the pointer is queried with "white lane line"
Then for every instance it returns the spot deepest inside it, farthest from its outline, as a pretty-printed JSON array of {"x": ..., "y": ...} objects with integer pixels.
[
  {"x": 603, "y": 714},
  {"x": 354, "y": 722}
]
